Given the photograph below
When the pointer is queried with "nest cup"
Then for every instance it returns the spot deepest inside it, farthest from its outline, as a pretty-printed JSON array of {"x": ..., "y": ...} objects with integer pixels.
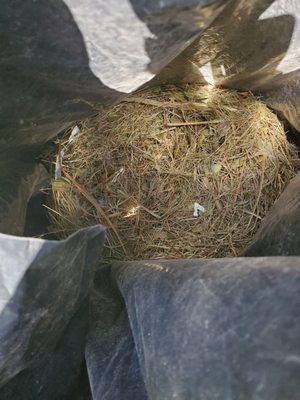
[{"x": 174, "y": 172}]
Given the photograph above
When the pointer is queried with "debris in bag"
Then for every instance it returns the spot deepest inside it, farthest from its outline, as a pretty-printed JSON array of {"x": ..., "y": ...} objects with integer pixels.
[
  {"x": 58, "y": 163},
  {"x": 198, "y": 208},
  {"x": 74, "y": 132},
  {"x": 152, "y": 155}
]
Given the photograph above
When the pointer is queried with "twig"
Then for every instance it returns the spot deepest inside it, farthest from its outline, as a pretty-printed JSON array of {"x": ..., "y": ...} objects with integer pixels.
[
  {"x": 150, "y": 212},
  {"x": 97, "y": 206},
  {"x": 175, "y": 173},
  {"x": 57, "y": 213},
  {"x": 251, "y": 213},
  {"x": 232, "y": 246},
  {"x": 192, "y": 123},
  {"x": 259, "y": 192},
  {"x": 168, "y": 104}
]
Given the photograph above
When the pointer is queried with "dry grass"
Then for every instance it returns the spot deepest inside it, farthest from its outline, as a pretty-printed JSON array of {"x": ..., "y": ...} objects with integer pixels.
[{"x": 139, "y": 167}]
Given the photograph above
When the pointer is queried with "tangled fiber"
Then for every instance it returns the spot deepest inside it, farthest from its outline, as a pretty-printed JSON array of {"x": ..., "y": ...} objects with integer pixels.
[{"x": 146, "y": 167}]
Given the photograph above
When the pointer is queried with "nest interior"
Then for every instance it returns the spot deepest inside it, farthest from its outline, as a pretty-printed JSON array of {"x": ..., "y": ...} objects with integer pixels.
[{"x": 146, "y": 167}]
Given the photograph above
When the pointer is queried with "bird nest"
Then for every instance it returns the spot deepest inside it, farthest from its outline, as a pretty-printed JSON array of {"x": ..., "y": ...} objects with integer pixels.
[{"x": 173, "y": 172}]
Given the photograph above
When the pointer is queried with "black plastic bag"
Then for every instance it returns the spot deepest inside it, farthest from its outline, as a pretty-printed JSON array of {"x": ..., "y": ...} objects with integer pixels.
[{"x": 217, "y": 329}]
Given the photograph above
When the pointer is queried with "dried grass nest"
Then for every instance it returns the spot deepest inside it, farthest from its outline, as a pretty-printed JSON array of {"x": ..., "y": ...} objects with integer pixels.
[{"x": 141, "y": 167}]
